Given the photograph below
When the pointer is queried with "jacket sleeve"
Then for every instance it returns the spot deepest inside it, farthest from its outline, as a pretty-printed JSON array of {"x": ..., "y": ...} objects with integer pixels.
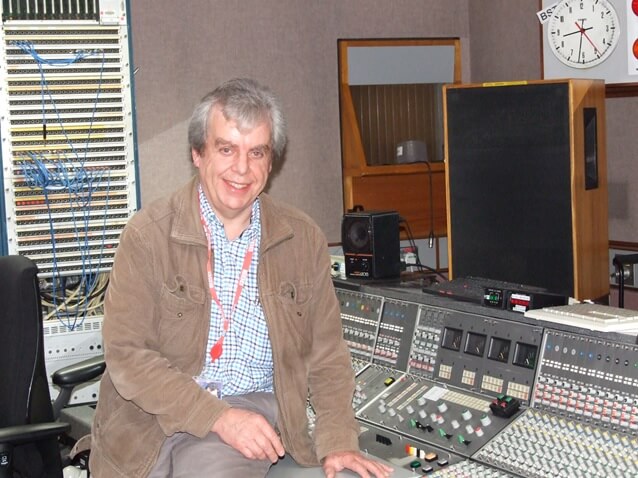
[
  {"x": 156, "y": 381},
  {"x": 331, "y": 377}
]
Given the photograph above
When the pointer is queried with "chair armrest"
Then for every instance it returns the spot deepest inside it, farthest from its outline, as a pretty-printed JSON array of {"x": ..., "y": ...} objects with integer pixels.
[
  {"x": 78, "y": 373},
  {"x": 67, "y": 378},
  {"x": 19, "y": 434}
]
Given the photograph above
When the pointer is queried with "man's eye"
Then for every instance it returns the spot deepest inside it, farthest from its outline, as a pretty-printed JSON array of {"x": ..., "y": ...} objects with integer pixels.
[
  {"x": 225, "y": 150},
  {"x": 257, "y": 154}
]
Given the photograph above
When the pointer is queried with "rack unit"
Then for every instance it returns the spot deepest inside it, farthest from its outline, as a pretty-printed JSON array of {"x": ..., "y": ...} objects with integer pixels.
[{"x": 68, "y": 158}]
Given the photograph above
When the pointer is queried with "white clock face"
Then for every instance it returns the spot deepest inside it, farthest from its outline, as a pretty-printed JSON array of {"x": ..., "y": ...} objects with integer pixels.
[{"x": 583, "y": 33}]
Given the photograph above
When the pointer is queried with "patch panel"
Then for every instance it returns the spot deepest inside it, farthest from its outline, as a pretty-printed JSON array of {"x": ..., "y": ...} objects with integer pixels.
[{"x": 68, "y": 157}]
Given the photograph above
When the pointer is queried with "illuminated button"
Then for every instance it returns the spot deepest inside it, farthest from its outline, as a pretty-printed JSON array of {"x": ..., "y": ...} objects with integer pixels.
[
  {"x": 442, "y": 406},
  {"x": 466, "y": 415},
  {"x": 485, "y": 420},
  {"x": 409, "y": 409},
  {"x": 430, "y": 456}
]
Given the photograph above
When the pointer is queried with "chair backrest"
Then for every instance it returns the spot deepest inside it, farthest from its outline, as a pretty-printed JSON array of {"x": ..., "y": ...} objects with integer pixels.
[{"x": 24, "y": 390}]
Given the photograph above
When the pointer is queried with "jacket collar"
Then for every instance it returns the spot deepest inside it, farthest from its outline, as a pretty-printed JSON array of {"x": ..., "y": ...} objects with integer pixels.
[{"x": 187, "y": 227}]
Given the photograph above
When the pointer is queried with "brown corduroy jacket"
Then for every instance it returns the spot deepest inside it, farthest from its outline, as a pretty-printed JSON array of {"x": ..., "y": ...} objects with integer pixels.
[{"x": 155, "y": 330}]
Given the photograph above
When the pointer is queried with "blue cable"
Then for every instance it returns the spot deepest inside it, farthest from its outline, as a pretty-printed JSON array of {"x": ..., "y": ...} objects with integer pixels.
[{"x": 79, "y": 184}]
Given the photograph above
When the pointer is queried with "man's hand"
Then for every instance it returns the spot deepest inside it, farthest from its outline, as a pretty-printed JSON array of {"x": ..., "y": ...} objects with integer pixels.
[
  {"x": 354, "y": 461},
  {"x": 250, "y": 434}
]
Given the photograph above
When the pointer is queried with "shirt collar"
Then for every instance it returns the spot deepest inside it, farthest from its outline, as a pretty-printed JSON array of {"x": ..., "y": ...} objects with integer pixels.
[{"x": 217, "y": 227}]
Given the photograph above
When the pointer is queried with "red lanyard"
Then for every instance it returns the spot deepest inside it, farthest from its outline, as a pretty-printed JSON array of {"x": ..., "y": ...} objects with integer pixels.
[{"x": 217, "y": 349}]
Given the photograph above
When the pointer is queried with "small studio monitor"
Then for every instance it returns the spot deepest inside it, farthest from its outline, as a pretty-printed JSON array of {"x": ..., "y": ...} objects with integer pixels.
[{"x": 370, "y": 241}]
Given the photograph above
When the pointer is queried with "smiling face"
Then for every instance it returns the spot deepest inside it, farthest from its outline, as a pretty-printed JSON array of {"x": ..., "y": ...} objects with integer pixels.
[{"x": 233, "y": 169}]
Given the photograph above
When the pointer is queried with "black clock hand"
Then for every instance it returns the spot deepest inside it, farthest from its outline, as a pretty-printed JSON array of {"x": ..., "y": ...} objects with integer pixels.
[{"x": 577, "y": 31}]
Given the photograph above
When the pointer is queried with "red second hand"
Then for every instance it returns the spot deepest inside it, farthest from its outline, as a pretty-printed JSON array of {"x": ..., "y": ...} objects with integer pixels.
[{"x": 584, "y": 33}]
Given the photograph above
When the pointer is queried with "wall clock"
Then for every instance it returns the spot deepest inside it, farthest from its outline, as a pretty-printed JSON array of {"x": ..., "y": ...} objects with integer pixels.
[{"x": 583, "y": 33}]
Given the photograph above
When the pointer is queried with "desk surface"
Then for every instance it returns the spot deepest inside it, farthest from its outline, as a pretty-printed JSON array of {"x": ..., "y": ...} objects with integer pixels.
[{"x": 287, "y": 468}]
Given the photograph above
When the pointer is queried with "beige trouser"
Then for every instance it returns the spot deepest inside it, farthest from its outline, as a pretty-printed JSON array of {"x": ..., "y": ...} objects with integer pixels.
[{"x": 186, "y": 456}]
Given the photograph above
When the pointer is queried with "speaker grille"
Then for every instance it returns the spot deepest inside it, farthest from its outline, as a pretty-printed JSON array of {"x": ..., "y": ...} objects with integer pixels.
[
  {"x": 509, "y": 184},
  {"x": 358, "y": 236}
]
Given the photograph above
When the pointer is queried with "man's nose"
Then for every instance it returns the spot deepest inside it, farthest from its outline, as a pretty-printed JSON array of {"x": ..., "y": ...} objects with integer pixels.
[{"x": 241, "y": 163}]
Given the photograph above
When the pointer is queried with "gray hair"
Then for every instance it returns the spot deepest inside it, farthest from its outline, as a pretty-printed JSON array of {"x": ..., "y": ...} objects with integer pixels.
[{"x": 248, "y": 104}]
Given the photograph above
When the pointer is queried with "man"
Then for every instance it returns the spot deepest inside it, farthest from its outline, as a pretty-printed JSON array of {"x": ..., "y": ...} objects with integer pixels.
[{"x": 221, "y": 320}]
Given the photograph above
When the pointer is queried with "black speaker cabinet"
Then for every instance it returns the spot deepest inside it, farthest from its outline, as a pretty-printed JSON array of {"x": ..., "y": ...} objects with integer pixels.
[
  {"x": 370, "y": 241},
  {"x": 526, "y": 182}
]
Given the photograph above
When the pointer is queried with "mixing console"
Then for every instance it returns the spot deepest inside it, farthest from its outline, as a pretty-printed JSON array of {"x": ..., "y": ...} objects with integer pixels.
[
  {"x": 538, "y": 442},
  {"x": 395, "y": 333},
  {"x": 487, "y": 354},
  {"x": 426, "y": 412},
  {"x": 425, "y": 342},
  {"x": 589, "y": 379},
  {"x": 360, "y": 315},
  {"x": 422, "y": 459},
  {"x": 469, "y": 469},
  {"x": 432, "y": 374}
]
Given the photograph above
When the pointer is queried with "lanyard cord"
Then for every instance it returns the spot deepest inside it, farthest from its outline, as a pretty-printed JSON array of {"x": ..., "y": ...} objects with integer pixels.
[{"x": 217, "y": 349}]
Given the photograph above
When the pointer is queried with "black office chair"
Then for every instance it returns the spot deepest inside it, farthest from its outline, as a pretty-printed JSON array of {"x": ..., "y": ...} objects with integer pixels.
[{"x": 29, "y": 445}]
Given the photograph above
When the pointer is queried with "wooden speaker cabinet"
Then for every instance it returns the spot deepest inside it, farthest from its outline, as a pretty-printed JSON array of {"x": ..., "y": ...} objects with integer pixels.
[{"x": 526, "y": 184}]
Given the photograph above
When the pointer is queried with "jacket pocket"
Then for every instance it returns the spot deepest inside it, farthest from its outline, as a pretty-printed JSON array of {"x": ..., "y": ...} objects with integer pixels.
[
  {"x": 179, "y": 299},
  {"x": 295, "y": 300},
  {"x": 180, "y": 306}
]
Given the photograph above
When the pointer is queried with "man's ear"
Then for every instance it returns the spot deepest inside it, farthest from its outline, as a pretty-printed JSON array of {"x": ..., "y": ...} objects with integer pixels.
[{"x": 196, "y": 157}]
